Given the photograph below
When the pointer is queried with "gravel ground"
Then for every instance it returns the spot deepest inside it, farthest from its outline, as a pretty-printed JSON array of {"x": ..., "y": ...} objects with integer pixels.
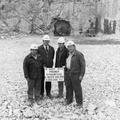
[{"x": 101, "y": 86}]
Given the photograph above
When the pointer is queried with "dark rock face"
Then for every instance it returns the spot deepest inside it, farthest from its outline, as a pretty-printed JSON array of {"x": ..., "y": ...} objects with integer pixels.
[{"x": 61, "y": 27}]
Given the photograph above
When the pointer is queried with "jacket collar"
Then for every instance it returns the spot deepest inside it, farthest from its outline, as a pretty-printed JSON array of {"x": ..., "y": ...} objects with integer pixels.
[
  {"x": 62, "y": 49},
  {"x": 74, "y": 53},
  {"x": 31, "y": 56}
]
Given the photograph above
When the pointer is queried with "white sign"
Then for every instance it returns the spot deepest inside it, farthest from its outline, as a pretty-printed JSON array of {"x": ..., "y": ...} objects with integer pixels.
[{"x": 54, "y": 74}]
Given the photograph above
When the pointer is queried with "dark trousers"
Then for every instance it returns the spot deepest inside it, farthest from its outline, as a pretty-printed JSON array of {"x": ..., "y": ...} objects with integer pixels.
[
  {"x": 72, "y": 83},
  {"x": 34, "y": 89},
  {"x": 60, "y": 88},
  {"x": 47, "y": 87}
]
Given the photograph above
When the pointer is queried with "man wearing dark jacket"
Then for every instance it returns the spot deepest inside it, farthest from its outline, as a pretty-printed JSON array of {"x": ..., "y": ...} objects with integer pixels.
[
  {"x": 47, "y": 52},
  {"x": 75, "y": 70},
  {"x": 61, "y": 55},
  {"x": 32, "y": 66}
]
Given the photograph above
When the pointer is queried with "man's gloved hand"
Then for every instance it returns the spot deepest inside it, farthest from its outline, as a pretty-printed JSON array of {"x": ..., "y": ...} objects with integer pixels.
[
  {"x": 63, "y": 66},
  {"x": 80, "y": 78},
  {"x": 28, "y": 79},
  {"x": 45, "y": 67}
]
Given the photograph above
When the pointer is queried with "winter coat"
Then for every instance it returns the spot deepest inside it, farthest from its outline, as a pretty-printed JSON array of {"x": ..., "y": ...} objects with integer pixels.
[
  {"x": 33, "y": 67},
  {"x": 78, "y": 64},
  {"x": 61, "y": 57}
]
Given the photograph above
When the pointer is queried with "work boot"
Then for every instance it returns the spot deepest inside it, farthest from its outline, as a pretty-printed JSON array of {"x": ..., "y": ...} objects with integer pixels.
[
  {"x": 38, "y": 100},
  {"x": 59, "y": 96},
  {"x": 50, "y": 96},
  {"x": 79, "y": 105},
  {"x": 30, "y": 102},
  {"x": 67, "y": 102},
  {"x": 41, "y": 97}
]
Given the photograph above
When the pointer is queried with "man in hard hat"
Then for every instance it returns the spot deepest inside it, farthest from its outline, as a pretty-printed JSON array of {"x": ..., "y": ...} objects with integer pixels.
[
  {"x": 32, "y": 66},
  {"x": 47, "y": 52},
  {"x": 61, "y": 55},
  {"x": 75, "y": 70}
]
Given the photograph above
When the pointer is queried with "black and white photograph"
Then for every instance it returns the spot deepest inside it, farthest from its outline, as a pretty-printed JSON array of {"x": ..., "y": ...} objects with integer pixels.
[{"x": 59, "y": 59}]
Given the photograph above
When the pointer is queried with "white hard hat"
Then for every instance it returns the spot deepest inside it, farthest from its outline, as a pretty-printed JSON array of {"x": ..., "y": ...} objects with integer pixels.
[
  {"x": 46, "y": 37},
  {"x": 34, "y": 46},
  {"x": 69, "y": 43},
  {"x": 61, "y": 40}
]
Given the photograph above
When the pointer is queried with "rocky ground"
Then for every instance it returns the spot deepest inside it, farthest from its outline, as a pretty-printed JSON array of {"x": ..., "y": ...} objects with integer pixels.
[{"x": 101, "y": 86}]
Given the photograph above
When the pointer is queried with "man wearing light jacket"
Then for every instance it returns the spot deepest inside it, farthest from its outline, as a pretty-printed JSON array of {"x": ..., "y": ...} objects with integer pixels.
[{"x": 74, "y": 72}]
